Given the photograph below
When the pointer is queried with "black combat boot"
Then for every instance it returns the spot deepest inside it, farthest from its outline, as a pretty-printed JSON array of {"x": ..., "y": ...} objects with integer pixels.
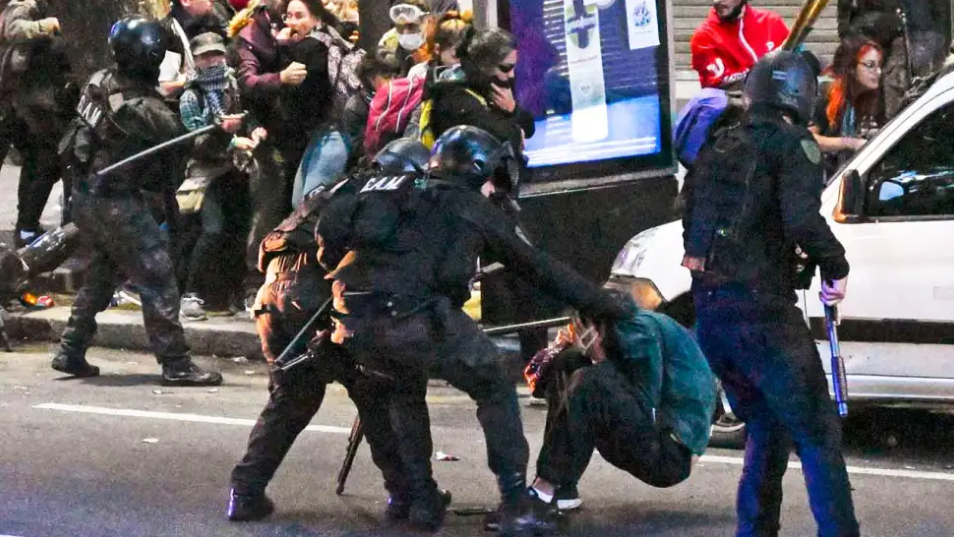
[
  {"x": 428, "y": 514},
  {"x": 399, "y": 506},
  {"x": 522, "y": 513},
  {"x": 248, "y": 507},
  {"x": 71, "y": 365},
  {"x": 186, "y": 373}
]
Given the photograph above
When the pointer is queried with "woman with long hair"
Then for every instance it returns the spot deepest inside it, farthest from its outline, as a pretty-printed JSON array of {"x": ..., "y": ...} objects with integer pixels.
[{"x": 850, "y": 105}]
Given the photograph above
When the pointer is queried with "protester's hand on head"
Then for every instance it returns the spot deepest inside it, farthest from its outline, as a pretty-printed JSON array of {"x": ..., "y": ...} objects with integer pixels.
[
  {"x": 833, "y": 291},
  {"x": 231, "y": 123},
  {"x": 564, "y": 338},
  {"x": 50, "y": 25},
  {"x": 503, "y": 99},
  {"x": 294, "y": 74}
]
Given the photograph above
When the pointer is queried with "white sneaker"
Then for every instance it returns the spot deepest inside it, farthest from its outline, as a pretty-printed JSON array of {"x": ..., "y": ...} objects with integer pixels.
[{"x": 190, "y": 308}]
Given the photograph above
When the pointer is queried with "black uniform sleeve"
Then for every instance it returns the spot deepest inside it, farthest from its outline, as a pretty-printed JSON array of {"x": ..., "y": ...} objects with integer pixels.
[
  {"x": 846, "y": 10},
  {"x": 533, "y": 266},
  {"x": 799, "y": 179},
  {"x": 150, "y": 119}
]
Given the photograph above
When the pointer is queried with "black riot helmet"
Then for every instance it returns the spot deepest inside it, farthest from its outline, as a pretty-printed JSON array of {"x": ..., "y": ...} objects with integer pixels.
[
  {"x": 404, "y": 155},
  {"x": 470, "y": 156},
  {"x": 783, "y": 80},
  {"x": 139, "y": 46}
]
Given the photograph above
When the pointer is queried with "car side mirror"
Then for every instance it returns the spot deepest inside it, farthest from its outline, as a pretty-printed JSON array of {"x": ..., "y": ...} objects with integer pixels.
[{"x": 852, "y": 200}]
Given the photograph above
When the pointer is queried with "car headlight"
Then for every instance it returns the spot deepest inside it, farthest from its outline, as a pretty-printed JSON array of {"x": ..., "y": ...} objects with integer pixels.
[{"x": 643, "y": 291}]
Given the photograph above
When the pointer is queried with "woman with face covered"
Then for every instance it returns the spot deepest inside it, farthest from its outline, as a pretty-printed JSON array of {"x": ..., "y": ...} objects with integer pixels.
[
  {"x": 848, "y": 108},
  {"x": 484, "y": 96}
]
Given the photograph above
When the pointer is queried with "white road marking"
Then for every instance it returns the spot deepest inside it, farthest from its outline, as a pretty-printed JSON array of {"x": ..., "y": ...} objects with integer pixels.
[
  {"x": 197, "y": 418},
  {"x": 173, "y": 416},
  {"x": 858, "y": 470}
]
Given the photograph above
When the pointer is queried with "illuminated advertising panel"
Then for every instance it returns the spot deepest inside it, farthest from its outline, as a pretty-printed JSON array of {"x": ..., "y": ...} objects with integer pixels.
[{"x": 595, "y": 75}]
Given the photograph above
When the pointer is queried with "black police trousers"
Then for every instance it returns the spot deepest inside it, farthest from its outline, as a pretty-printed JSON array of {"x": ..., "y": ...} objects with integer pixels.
[
  {"x": 762, "y": 350},
  {"x": 450, "y": 346},
  {"x": 295, "y": 396},
  {"x": 596, "y": 407},
  {"x": 126, "y": 245},
  {"x": 40, "y": 172}
]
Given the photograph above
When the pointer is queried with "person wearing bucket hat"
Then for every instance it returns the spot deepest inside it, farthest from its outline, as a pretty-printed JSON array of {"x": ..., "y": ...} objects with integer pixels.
[
  {"x": 214, "y": 197},
  {"x": 186, "y": 20}
]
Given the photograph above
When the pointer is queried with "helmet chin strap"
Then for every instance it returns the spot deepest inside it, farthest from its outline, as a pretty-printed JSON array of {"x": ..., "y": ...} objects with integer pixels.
[{"x": 735, "y": 14}]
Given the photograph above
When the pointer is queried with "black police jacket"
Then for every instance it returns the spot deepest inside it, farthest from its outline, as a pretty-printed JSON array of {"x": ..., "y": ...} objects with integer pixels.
[
  {"x": 429, "y": 242},
  {"x": 753, "y": 196},
  {"x": 119, "y": 117}
]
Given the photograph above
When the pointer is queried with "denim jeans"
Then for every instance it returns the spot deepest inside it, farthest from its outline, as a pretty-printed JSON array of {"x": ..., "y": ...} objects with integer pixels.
[
  {"x": 324, "y": 161},
  {"x": 761, "y": 349}
]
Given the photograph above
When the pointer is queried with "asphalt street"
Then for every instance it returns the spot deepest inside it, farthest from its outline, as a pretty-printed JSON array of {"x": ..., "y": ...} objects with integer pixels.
[{"x": 120, "y": 456}]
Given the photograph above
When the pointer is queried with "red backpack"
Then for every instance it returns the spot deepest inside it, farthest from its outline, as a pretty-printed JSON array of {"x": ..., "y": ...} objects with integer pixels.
[{"x": 391, "y": 111}]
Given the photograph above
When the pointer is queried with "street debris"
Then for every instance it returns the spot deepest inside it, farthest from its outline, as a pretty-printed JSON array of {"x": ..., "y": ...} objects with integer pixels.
[
  {"x": 150, "y": 440},
  {"x": 240, "y": 360},
  {"x": 441, "y": 456}
]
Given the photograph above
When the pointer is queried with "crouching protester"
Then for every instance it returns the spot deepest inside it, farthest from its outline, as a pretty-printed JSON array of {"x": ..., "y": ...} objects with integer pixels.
[
  {"x": 638, "y": 390},
  {"x": 294, "y": 291}
]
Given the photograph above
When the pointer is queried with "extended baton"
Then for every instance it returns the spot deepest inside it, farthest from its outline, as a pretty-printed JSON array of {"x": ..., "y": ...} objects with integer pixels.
[
  {"x": 155, "y": 149},
  {"x": 838, "y": 376},
  {"x": 280, "y": 361},
  {"x": 354, "y": 441}
]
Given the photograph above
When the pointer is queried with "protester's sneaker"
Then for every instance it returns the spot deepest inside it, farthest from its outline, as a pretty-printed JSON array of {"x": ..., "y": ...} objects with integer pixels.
[
  {"x": 248, "y": 507},
  {"x": 568, "y": 498},
  {"x": 24, "y": 237},
  {"x": 190, "y": 308}
]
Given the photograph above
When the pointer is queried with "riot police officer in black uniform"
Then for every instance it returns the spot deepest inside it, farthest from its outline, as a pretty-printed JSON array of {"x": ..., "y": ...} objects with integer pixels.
[
  {"x": 404, "y": 251},
  {"x": 121, "y": 114},
  {"x": 295, "y": 289},
  {"x": 755, "y": 197}
]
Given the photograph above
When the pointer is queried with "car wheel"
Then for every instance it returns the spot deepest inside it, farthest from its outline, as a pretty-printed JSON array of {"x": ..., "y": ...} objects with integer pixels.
[{"x": 728, "y": 431}]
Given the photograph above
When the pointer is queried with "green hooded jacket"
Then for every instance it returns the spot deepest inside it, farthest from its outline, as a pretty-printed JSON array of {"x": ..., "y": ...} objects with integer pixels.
[{"x": 668, "y": 368}]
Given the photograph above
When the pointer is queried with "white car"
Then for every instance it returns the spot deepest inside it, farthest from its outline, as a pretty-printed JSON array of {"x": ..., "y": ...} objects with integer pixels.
[{"x": 892, "y": 207}]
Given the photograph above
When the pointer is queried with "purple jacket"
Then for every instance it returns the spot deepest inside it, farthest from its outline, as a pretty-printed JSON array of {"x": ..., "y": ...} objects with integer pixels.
[{"x": 258, "y": 66}]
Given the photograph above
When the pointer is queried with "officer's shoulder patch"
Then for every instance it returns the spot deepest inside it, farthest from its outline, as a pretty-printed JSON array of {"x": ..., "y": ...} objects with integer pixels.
[{"x": 812, "y": 151}]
